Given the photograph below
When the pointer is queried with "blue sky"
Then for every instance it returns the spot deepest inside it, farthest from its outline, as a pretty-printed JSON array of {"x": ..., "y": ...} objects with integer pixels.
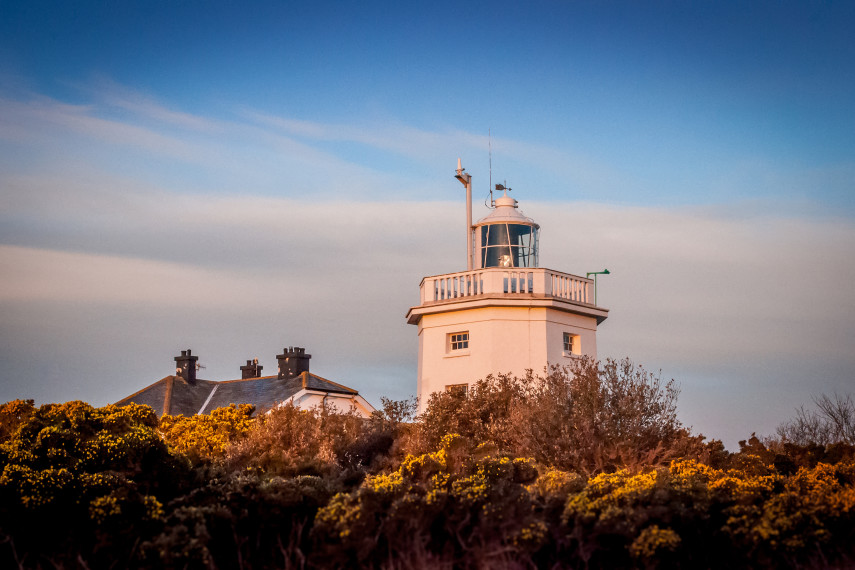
[{"x": 213, "y": 175}]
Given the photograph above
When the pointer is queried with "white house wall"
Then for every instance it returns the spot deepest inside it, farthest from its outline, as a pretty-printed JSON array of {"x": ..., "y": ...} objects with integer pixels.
[{"x": 340, "y": 403}]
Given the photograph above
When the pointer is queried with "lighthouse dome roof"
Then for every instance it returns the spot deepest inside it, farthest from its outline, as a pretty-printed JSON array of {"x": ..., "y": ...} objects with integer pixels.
[{"x": 506, "y": 212}]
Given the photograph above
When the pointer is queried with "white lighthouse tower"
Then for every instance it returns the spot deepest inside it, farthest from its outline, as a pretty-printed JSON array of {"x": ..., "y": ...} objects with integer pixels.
[{"x": 505, "y": 314}]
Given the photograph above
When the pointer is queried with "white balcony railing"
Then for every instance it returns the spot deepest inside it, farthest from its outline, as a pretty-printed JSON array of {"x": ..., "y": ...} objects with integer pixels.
[{"x": 536, "y": 281}]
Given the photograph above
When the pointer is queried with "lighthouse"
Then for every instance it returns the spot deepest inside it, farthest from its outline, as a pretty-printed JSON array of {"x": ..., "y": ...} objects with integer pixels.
[{"x": 505, "y": 313}]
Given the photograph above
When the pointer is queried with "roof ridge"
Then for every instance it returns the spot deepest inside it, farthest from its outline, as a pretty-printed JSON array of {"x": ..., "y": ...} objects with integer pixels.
[{"x": 271, "y": 377}]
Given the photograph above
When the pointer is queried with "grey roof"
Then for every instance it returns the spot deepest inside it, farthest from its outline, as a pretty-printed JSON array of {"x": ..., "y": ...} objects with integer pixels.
[{"x": 175, "y": 396}]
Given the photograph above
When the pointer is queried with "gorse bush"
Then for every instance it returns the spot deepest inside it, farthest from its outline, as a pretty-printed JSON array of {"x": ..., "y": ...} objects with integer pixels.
[
  {"x": 74, "y": 476},
  {"x": 581, "y": 467},
  {"x": 206, "y": 437},
  {"x": 457, "y": 507},
  {"x": 692, "y": 515}
]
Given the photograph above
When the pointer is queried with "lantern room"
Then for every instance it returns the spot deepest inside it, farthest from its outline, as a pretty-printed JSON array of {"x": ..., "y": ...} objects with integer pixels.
[{"x": 506, "y": 238}]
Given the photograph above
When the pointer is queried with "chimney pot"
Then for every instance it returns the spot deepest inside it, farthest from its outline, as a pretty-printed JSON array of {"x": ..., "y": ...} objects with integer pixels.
[
  {"x": 293, "y": 361},
  {"x": 186, "y": 366},
  {"x": 251, "y": 370}
]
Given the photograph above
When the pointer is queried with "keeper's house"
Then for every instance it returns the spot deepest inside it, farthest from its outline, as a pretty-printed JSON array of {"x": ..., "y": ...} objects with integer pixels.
[{"x": 184, "y": 394}]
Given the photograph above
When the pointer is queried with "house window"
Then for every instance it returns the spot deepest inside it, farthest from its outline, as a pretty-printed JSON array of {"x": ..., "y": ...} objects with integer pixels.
[
  {"x": 457, "y": 389},
  {"x": 571, "y": 344},
  {"x": 459, "y": 341}
]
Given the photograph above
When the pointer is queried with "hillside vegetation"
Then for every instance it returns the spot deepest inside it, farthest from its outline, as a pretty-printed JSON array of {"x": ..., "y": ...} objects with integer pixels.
[{"x": 583, "y": 467}]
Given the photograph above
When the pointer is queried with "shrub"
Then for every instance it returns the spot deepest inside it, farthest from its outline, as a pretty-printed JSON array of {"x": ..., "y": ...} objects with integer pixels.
[
  {"x": 289, "y": 441},
  {"x": 832, "y": 422},
  {"x": 204, "y": 437},
  {"x": 12, "y": 415},
  {"x": 456, "y": 507},
  {"x": 71, "y": 474},
  {"x": 242, "y": 521},
  {"x": 588, "y": 418}
]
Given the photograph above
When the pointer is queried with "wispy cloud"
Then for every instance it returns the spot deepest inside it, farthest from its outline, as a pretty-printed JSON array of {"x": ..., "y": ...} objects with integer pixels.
[
  {"x": 573, "y": 167},
  {"x": 112, "y": 94},
  {"x": 254, "y": 152},
  {"x": 243, "y": 157},
  {"x": 41, "y": 119}
]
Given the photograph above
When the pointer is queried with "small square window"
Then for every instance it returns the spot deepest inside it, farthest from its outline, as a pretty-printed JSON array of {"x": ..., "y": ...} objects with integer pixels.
[
  {"x": 458, "y": 389},
  {"x": 571, "y": 344},
  {"x": 459, "y": 341}
]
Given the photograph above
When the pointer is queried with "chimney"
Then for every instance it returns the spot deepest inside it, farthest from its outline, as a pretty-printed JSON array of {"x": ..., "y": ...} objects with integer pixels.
[
  {"x": 251, "y": 370},
  {"x": 293, "y": 362},
  {"x": 185, "y": 366}
]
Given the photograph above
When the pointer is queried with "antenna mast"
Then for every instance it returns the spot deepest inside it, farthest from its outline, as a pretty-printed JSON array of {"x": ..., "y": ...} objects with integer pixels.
[{"x": 466, "y": 180}]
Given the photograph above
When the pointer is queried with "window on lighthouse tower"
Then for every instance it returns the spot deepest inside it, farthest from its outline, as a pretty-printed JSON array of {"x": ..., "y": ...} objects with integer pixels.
[
  {"x": 571, "y": 344},
  {"x": 459, "y": 341},
  {"x": 458, "y": 389}
]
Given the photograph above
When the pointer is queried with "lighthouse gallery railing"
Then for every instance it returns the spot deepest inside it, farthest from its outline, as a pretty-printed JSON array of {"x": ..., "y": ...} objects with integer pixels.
[{"x": 507, "y": 281}]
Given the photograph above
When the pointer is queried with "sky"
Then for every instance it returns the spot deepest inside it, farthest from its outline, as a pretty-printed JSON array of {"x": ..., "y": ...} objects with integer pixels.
[{"x": 235, "y": 178}]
